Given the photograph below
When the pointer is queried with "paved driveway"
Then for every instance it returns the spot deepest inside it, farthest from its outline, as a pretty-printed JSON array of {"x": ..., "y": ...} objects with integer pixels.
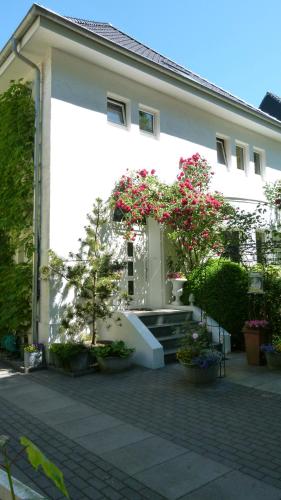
[{"x": 146, "y": 434}]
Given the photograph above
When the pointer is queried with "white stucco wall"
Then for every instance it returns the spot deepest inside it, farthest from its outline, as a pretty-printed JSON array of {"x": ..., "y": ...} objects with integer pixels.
[{"x": 88, "y": 154}]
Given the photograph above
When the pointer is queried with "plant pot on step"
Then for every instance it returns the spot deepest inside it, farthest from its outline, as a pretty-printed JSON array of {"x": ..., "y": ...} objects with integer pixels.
[
  {"x": 197, "y": 375},
  {"x": 254, "y": 338}
]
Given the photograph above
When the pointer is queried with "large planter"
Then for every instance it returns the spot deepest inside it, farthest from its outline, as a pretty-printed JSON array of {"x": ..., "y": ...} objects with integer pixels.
[
  {"x": 114, "y": 364},
  {"x": 80, "y": 362},
  {"x": 197, "y": 375},
  {"x": 33, "y": 360},
  {"x": 254, "y": 338},
  {"x": 273, "y": 360}
]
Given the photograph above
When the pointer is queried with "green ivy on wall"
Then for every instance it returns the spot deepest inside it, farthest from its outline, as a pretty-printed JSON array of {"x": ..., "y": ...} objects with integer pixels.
[{"x": 16, "y": 205}]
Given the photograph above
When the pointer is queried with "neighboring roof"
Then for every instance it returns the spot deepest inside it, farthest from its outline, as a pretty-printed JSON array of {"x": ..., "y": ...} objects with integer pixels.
[
  {"x": 106, "y": 30},
  {"x": 271, "y": 104}
]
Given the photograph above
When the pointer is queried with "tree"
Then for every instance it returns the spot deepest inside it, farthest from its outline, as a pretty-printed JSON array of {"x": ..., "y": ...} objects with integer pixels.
[
  {"x": 192, "y": 216},
  {"x": 92, "y": 273}
]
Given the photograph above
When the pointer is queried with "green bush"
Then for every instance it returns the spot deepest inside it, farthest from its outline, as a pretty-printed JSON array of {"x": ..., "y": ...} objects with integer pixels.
[
  {"x": 220, "y": 288},
  {"x": 15, "y": 298}
]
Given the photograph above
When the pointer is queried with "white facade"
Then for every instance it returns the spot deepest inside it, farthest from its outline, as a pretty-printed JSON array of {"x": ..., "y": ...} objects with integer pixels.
[{"x": 84, "y": 154}]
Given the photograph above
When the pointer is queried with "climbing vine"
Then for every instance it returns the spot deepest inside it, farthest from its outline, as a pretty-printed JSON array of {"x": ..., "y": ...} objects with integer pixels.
[{"x": 16, "y": 204}]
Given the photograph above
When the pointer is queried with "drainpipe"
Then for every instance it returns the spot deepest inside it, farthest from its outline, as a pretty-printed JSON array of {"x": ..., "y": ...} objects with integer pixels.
[{"x": 37, "y": 191}]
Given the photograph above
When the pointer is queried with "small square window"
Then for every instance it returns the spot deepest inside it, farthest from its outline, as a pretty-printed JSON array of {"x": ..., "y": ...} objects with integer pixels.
[
  {"x": 116, "y": 111},
  {"x": 257, "y": 163},
  {"x": 240, "y": 158},
  {"x": 146, "y": 121},
  {"x": 221, "y": 152}
]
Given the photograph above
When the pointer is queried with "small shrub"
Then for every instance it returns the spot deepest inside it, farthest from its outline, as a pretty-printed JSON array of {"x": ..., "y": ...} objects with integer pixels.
[{"x": 117, "y": 349}]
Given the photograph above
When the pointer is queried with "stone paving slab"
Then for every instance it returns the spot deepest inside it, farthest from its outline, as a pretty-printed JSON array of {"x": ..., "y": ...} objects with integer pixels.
[
  {"x": 235, "y": 486},
  {"x": 143, "y": 454},
  {"x": 83, "y": 426},
  {"x": 185, "y": 473},
  {"x": 114, "y": 438},
  {"x": 71, "y": 412}
]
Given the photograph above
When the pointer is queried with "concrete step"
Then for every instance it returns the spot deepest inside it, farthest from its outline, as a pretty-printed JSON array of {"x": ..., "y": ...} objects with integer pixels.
[
  {"x": 164, "y": 318},
  {"x": 170, "y": 342}
]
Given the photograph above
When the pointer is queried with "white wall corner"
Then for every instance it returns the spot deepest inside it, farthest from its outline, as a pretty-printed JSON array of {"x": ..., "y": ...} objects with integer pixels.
[{"x": 148, "y": 351}]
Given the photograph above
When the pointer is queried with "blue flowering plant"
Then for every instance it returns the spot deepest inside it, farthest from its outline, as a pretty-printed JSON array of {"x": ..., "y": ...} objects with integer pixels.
[
  {"x": 197, "y": 350},
  {"x": 274, "y": 347}
]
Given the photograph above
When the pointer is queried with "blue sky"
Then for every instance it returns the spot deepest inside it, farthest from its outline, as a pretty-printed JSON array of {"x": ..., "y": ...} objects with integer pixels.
[{"x": 233, "y": 43}]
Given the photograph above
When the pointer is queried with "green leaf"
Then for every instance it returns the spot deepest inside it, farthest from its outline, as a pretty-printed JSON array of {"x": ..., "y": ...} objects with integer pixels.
[{"x": 37, "y": 459}]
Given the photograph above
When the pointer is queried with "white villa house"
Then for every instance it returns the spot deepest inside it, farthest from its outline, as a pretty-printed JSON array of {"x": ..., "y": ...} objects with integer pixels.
[{"x": 93, "y": 85}]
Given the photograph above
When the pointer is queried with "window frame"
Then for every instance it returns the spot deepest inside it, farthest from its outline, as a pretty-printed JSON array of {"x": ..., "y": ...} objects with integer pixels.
[
  {"x": 126, "y": 110},
  {"x": 261, "y": 154},
  {"x": 223, "y": 141},
  {"x": 243, "y": 148},
  {"x": 156, "y": 121}
]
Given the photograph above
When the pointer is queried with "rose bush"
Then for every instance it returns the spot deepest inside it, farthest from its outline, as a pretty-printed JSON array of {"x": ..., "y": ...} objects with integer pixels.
[{"x": 192, "y": 216}]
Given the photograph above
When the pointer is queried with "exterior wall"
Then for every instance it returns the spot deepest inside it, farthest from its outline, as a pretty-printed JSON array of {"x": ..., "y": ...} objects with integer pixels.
[{"x": 88, "y": 154}]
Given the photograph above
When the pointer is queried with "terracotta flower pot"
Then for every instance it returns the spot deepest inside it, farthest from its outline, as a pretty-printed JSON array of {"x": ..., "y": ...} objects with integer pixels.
[{"x": 254, "y": 338}]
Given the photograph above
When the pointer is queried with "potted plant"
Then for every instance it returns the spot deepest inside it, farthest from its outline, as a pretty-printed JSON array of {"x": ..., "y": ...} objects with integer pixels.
[
  {"x": 256, "y": 332},
  {"x": 33, "y": 356},
  {"x": 71, "y": 356},
  {"x": 113, "y": 357},
  {"x": 199, "y": 358},
  {"x": 273, "y": 353}
]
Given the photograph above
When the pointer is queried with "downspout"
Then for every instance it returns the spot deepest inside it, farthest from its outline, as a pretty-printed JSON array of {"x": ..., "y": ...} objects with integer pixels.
[{"x": 37, "y": 191}]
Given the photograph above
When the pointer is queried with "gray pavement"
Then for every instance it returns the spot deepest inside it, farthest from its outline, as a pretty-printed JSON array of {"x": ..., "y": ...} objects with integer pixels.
[{"x": 146, "y": 434}]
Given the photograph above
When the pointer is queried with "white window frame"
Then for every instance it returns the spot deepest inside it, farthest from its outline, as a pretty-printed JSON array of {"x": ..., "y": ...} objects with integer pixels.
[
  {"x": 156, "y": 121},
  {"x": 245, "y": 148},
  {"x": 225, "y": 141},
  {"x": 125, "y": 103},
  {"x": 260, "y": 152}
]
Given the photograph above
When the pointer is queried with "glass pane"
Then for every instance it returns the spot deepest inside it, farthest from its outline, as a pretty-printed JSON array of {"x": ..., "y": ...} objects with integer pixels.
[
  {"x": 130, "y": 268},
  {"x": 130, "y": 249},
  {"x": 257, "y": 162},
  {"x": 240, "y": 157},
  {"x": 130, "y": 287},
  {"x": 116, "y": 112},
  {"x": 221, "y": 153},
  {"x": 146, "y": 121}
]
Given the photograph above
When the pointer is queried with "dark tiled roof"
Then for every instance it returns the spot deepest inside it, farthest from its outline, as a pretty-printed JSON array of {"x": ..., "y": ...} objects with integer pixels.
[
  {"x": 125, "y": 41},
  {"x": 271, "y": 104}
]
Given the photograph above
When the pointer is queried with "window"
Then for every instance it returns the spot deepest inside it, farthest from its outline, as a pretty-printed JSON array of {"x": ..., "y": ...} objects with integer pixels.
[
  {"x": 240, "y": 157},
  {"x": 130, "y": 268},
  {"x": 131, "y": 288},
  {"x": 231, "y": 243},
  {"x": 130, "y": 249},
  {"x": 221, "y": 152},
  {"x": 146, "y": 121},
  {"x": 257, "y": 163},
  {"x": 116, "y": 111}
]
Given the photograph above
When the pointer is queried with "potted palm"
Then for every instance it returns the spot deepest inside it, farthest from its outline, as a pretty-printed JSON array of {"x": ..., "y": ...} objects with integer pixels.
[
  {"x": 114, "y": 356},
  {"x": 256, "y": 333},
  {"x": 198, "y": 357}
]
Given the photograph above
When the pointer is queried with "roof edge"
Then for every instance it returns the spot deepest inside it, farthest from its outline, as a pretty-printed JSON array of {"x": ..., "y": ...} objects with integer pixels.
[{"x": 37, "y": 10}]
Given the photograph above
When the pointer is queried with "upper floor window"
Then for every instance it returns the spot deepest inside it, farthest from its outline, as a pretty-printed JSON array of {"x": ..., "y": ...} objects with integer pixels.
[
  {"x": 116, "y": 111},
  {"x": 221, "y": 151},
  {"x": 240, "y": 157},
  {"x": 257, "y": 163},
  {"x": 146, "y": 121}
]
